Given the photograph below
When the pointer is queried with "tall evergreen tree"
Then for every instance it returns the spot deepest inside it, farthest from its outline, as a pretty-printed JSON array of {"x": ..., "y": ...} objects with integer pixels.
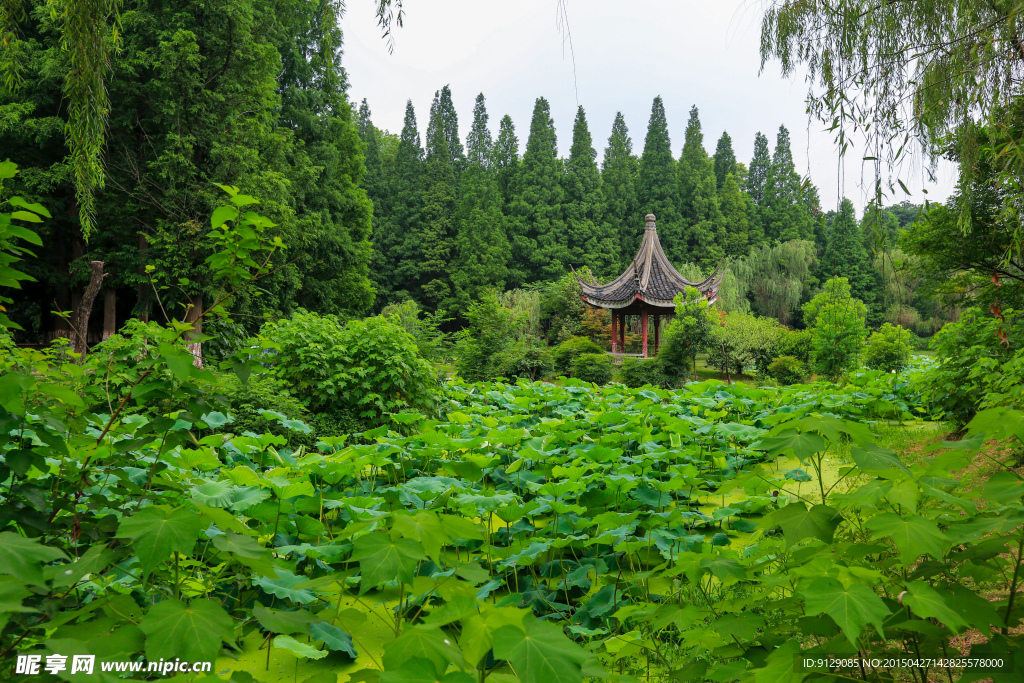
[
  {"x": 845, "y": 255},
  {"x": 505, "y": 158},
  {"x": 400, "y": 253},
  {"x": 479, "y": 145},
  {"x": 735, "y": 207},
  {"x": 786, "y": 214},
  {"x": 377, "y": 182},
  {"x": 703, "y": 227},
  {"x": 619, "y": 172},
  {"x": 753, "y": 187},
  {"x": 481, "y": 246},
  {"x": 537, "y": 227},
  {"x": 757, "y": 174},
  {"x": 587, "y": 238},
  {"x": 658, "y": 185},
  {"x": 448, "y": 119},
  {"x": 437, "y": 230},
  {"x": 725, "y": 159}
]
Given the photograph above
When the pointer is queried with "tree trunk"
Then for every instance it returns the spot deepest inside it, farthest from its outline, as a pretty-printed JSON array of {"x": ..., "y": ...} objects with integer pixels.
[
  {"x": 109, "y": 312},
  {"x": 195, "y": 309},
  {"x": 80, "y": 322}
]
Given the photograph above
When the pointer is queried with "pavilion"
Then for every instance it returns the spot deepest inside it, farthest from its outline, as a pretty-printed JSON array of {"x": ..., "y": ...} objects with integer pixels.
[{"x": 646, "y": 288}]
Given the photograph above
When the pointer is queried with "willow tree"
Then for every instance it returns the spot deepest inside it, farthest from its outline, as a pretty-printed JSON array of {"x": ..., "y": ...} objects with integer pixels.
[
  {"x": 777, "y": 277},
  {"x": 899, "y": 72}
]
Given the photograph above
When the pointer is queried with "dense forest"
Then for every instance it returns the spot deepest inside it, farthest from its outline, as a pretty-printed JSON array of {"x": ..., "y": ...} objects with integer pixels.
[
  {"x": 288, "y": 397},
  {"x": 372, "y": 218}
]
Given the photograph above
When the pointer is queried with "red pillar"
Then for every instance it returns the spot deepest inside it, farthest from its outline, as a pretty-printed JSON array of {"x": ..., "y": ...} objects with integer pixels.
[
  {"x": 643, "y": 328},
  {"x": 657, "y": 333},
  {"x": 622, "y": 332},
  {"x": 615, "y": 340}
]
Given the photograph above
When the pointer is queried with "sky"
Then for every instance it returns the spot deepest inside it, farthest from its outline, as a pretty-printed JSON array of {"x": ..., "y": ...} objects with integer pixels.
[{"x": 622, "y": 55}]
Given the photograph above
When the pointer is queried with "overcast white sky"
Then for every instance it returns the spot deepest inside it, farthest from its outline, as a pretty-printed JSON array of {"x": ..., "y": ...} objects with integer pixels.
[{"x": 690, "y": 52}]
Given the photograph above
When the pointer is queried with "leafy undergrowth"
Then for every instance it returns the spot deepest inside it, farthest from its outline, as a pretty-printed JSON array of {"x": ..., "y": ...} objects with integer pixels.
[{"x": 535, "y": 533}]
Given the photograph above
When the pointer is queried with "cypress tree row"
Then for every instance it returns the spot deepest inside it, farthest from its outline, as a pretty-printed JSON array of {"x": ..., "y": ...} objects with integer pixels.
[
  {"x": 505, "y": 158},
  {"x": 735, "y": 217},
  {"x": 588, "y": 239},
  {"x": 619, "y": 173},
  {"x": 539, "y": 250},
  {"x": 481, "y": 245},
  {"x": 658, "y": 185},
  {"x": 400, "y": 262},
  {"x": 725, "y": 159},
  {"x": 437, "y": 229},
  {"x": 786, "y": 213},
  {"x": 704, "y": 230}
]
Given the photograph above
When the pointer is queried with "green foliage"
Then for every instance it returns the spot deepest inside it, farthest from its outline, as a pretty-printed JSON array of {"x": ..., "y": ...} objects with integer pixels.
[
  {"x": 528, "y": 357},
  {"x": 786, "y": 215},
  {"x": 492, "y": 330},
  {"x": 743, "y": 340},
  {"x": 691, "y": 332},
  {"x": 368, "y": 368},
  {"x": 263, "y": 405},
  {"x": 777, "y": 277},
  {"x": 590, "y": 240},
  {"x": 837, "y": 323},
  {"x": 786, "y": 370},
  {"x": 565, "y": 354},
  {"x": 704, "y": 227},
  {"x": 975, "y": 368},
  {"x": 593, "y": 367},
  {"x": 657, "y": 185},
  {"x": 424, "y": 326},
  {"x": 888, "y": 349},
  {"x": 636, "y": 373},
  {"x": 619, "y": 172},
  {"x": 11, "y": 251},
  {"x": 797, "y": 343}
]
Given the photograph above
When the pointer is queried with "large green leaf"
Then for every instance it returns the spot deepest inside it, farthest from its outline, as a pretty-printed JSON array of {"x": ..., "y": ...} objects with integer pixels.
[
  {"x": 382, "y": 559},
  {"x": 851, "y": 607},
  {"x": 724, "y": 568},
  {"x": 191, "y": 632},
  {"x": 246, "y": 550},
  {"x": 928, "y": 602},
  {"x": 913, "y": 535},
  {"x": 780, "y": 666},
  {"x": 423, "y": 671},
  {"x": 22, "y": 557},
  {"x": 540, "y": 652},
  {"x": 281, "y": 621},
  {"x": 798, "y": 522},
  {"x": 423, "y": 527},
  {"x": 802, "y": 444},
  {"x": 285, "y": 587},
  {"x": 1004, "y": 488},
  {"x": 421, "y": 642},
  {"x": 158, "y": 531},
  {"x": 876, "y": 459},
  {"x": 298, "y": 649},
  {"x": 217, "y": 494},
  {"x": 335, "y": 638}
]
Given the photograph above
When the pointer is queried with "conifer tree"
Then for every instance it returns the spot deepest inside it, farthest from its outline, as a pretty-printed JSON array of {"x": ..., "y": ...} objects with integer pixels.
[
  {"x": 400, "y": 254},
  {"x": 619, "y": 170},
  {"x": 377, "y": 183},
  {"x": 698, "y": 198},
  {"x": 725, "y": 159},
  {"x": 786, "y": 214},
  {"x": 449, "y": 120},
  {"x": 481, "y": 246},
  {"x": 538, "y": 249},
  {"x": 845, "y": 255},
  {"x": 479, "y": 146},
  {"x": 735, "y": 217},
  {"x": 658, "y": 185},
  {"x": 505, "y": 158},
  {"x": 437, "y": 230},
  {"x": 587, "y": 238},
  {"x": 757, "y": 174}
]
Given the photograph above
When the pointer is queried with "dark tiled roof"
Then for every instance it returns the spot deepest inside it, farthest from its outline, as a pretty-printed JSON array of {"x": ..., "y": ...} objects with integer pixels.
[{"x": 649, "y": 277}]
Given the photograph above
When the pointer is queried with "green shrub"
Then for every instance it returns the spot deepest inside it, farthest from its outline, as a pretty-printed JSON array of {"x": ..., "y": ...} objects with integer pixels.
[
  {"x": 635, "y": 373},
  {"x": 593, "y": 367},
  {"x": 528, "y": 358},
  {"x": 565, "y": 354},
  {"x": 493, "y": 329},
  {"x": 366, "y": 369},
  {"x": 267, "y": 393},
  {"x": 796, "y": 343},
  {"x": 919, "y": 343},
  {"x": 787, "y": 370},
  {"x": 975, "y": 369},
  {"x": 888, "y": 349}
]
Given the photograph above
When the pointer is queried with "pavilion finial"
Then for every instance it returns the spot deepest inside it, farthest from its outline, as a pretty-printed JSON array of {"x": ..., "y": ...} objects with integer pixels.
[{"x": 649, "y": 218}]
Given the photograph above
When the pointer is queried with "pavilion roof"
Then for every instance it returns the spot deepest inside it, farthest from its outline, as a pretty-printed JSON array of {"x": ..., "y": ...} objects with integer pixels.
[{"x": 650, "y": 278}]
